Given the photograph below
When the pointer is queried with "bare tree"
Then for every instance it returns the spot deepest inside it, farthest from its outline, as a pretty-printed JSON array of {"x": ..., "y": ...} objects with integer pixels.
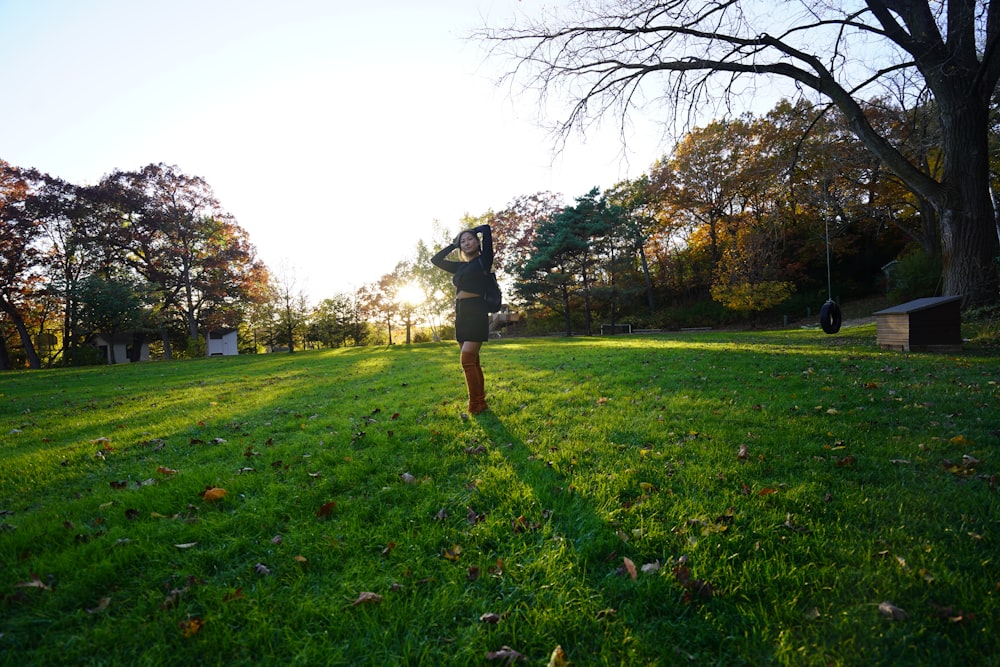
[
  {"x": 292, "y": 305},
  {"x": 701, "y": 53}
]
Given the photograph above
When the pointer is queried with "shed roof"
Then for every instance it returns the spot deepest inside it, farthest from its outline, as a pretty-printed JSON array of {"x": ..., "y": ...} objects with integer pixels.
[{"x": 918, "y": 304}]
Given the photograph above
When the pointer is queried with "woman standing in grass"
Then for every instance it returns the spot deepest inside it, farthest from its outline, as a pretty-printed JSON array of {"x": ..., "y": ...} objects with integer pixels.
[{"x": 472, "y": 320}]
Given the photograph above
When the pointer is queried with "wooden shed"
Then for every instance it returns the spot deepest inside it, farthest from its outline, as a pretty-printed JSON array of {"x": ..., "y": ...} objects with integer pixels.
[
  {"x": 222, "y": 342},
  {"x": 121, "y": 350},
  {"x": 928, "y": 324}
]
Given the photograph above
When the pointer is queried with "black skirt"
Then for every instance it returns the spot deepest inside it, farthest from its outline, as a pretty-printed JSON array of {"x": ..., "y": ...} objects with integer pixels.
[{"x": 472, "y": 320}]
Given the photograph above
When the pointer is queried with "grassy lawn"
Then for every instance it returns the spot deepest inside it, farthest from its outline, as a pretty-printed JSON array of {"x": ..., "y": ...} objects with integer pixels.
[{"x": 706, "y": 498}]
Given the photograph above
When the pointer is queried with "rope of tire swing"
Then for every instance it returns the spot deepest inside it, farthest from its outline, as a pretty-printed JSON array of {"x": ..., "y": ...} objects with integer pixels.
[{"x": 829, "y": 314}]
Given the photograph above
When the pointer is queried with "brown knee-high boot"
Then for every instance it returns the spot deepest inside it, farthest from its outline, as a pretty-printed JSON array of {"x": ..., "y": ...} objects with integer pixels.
[{"x": 474, "y": 380}]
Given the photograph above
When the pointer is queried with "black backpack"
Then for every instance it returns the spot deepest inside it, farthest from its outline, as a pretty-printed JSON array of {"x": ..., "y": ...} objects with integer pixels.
[{"x": 493, "y": 297}]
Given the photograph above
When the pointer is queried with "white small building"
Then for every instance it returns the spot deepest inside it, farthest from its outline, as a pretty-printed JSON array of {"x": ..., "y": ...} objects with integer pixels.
[
  {"x": 123, "y": 345},
  {"x": 222, "y": 342}
]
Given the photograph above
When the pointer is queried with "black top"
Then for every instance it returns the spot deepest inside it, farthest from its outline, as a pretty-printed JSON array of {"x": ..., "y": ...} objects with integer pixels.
[{"x": 469, "y": 276}]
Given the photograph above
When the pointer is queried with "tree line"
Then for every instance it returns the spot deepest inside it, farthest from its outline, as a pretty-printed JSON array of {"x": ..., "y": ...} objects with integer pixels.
[
  {"x": 149, "y": 254},
  {"x": 605, "y": 58},
  {"x": 745, "y": 218}
]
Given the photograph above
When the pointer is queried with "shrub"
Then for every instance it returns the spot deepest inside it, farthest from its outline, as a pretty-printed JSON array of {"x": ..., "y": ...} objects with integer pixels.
[{"x": 914, "y": 275}]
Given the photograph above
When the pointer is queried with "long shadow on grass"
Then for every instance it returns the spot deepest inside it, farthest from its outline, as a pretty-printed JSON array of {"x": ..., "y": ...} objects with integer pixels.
[
  {"x": 578, "y": 586},
  {"x": 550, "y": 488}
]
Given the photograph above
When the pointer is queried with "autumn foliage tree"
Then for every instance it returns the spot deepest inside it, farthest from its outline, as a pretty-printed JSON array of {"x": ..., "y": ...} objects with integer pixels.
[
  {"x": 89, "y": 257},
  {"x": 172, "y": 231},
  {"x": 691, "y": 54},
  {"x": 19, "y": 274}
]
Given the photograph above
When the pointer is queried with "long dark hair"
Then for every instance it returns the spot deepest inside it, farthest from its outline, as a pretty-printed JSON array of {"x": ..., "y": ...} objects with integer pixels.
[{"x": 479, "y": 243}]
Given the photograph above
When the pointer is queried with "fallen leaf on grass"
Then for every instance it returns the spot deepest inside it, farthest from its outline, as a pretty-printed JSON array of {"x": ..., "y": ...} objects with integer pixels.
[
  {"x": 407, "y": 478},
  {"x": 694, "y": 589},
  {"x": 793, "y": 527},
  {"x": 699, "y": 589},
  {"x": 558, "y": 658},
  {"x": 505, "y": 653},
  {"x": 163, "y": 470},
  {"x": 367, "y": 597},
  {"x": 185, "y": 545},
  {"x": 630, "y": 568},
  {"x": 964, "y": 469},
  {"x": 34, "y": 582},
  {"x": 496, "y": 570},
  {"x": 522, "y": 525},
  {"x": 453, "y": 552},
  {"x": 234, "y": 595},
  {"x": 262, "y": 570},
  {"x": 490, "y": 618},
  {"x": 102, "y": 604},
  {"x": 744, "y": 453},
  {"x": 950, "y": 613},
  {"x": 213, "y": 493},
  {"x": 191, "y": 626},
  {"x": 324, "y": 510},
  {"x": 651, "y": 568},
  {"x": 301, "y": 560},
  {"x": 891, "y": 611},
  {"x": 173, "y": 596}
]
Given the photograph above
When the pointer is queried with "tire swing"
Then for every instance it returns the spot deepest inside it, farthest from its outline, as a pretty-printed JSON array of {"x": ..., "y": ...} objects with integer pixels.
[
  {"x": 829, "y": 314},
  {"x": 829, "y": 317}
]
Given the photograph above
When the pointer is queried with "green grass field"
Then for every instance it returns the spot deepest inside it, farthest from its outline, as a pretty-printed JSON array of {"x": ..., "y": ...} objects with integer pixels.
[{"x": 709, "y": 498}]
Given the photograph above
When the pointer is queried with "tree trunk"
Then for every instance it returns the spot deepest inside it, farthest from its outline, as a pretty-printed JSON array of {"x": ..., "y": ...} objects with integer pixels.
[
  {"x": 112, "y": 359},
  {"x": 4, "y": 356},
  {"x": 22, "y": 332},
  {"x": 135, "y": 354},
  {"x": 569, "y": 319},
  {"x": 587, "y": 316},
  {"x": 969, "y": 243},
  {"x": 165, "y": 337},
  {"x": 649, "y": 281},
  {"x": 930, "y": 237}
]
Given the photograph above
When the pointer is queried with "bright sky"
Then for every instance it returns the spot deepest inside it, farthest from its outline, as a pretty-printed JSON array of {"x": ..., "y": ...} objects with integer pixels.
[{"x": 335, "y": 131}]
